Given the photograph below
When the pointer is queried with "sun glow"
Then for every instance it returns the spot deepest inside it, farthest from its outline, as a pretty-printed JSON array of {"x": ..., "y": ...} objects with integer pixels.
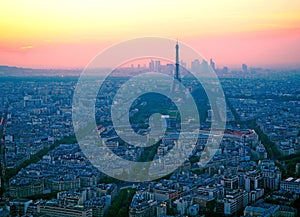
[{"x": 39, "y": 29}]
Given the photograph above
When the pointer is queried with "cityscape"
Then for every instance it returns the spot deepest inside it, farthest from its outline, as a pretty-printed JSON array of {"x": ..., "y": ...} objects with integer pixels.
[
  {"x": 255, "y": 171},
  {"x": 107, "y": 109}
]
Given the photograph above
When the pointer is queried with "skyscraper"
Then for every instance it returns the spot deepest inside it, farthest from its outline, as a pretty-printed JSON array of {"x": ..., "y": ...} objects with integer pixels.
[
  {"x": 244, "y": 68},
  {"x": 212, "y": 64},
  {"x": 177, "y": 75}
]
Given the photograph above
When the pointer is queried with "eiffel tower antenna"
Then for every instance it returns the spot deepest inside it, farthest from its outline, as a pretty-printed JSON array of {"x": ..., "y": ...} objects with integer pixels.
[{"x": 177, "y": 74}]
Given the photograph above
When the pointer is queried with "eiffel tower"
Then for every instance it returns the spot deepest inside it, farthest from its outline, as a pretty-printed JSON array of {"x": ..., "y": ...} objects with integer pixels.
[
  {"x": 177, "y": 78},
  {"x": 176, "y": 92}
]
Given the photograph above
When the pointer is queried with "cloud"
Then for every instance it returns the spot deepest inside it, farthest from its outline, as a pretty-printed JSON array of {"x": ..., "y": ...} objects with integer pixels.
[{"x": 26, "y": 47}]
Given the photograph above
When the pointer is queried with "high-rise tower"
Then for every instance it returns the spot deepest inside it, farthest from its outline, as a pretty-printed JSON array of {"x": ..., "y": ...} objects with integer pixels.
[
  {"x": 177, "y": 75},
  {"x": 177, "y": 78}
]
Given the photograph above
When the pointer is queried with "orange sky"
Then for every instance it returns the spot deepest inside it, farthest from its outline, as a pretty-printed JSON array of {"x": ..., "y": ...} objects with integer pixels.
[{"x": 68, "y": 34}]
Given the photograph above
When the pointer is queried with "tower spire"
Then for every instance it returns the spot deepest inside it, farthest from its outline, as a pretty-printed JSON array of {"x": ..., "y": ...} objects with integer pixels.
[
  {"x": 177, "y": 78},
  {"x": 177, "y": 75}
]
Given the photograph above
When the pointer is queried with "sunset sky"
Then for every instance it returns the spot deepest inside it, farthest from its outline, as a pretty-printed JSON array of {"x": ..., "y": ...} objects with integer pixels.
[{"x": 69, "y": 33}]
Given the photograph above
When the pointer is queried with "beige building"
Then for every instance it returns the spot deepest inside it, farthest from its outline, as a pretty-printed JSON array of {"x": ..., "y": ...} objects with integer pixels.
[{"x": 55, "y": 211}]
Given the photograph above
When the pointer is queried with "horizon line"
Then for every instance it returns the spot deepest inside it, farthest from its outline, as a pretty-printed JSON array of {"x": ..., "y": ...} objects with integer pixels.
[{"x": 221, "y": 66}]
